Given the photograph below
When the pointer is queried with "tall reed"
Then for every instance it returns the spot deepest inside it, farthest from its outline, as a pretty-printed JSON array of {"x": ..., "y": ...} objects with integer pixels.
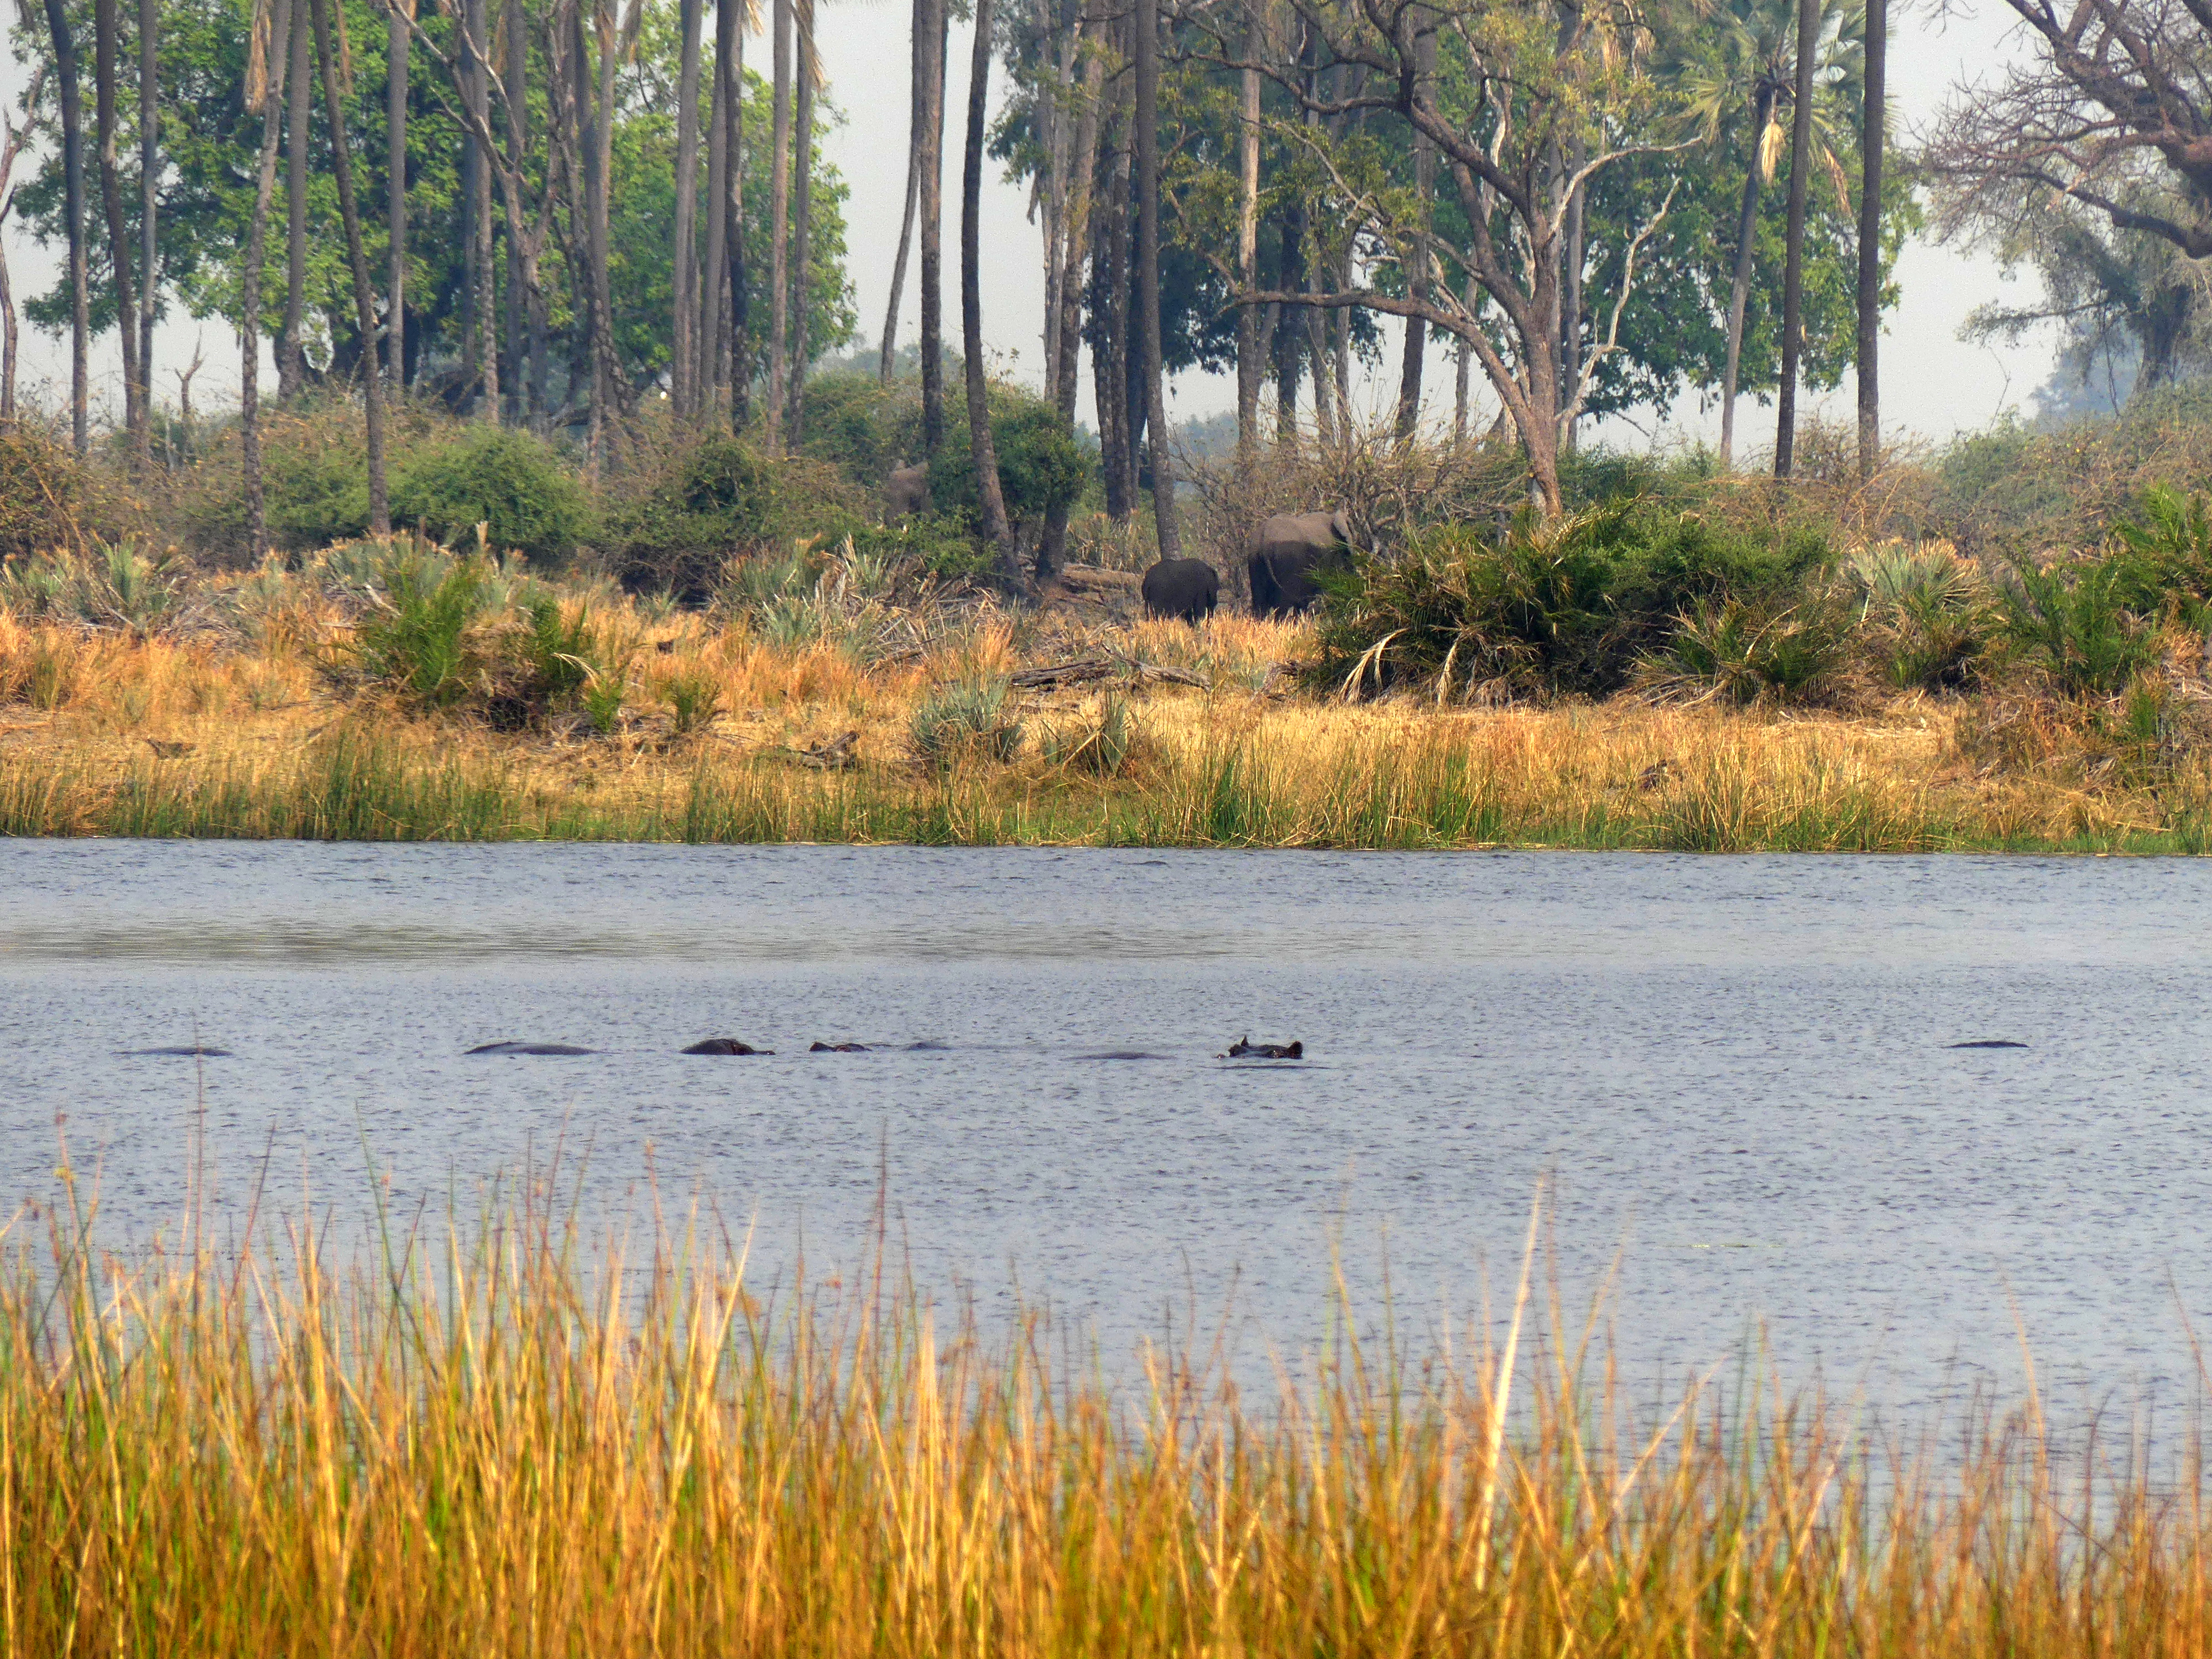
[{"x": 506, "y": 1443}]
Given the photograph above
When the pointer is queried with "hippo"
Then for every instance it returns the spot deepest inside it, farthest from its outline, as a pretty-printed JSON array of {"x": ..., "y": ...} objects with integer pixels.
[
  {"x": 1188, "y": 589},
  {"x": 530, "y": 1048},
  {"x": 1122, "y": 1054},
  {"x": 1245, "y": 1048},
  {"x": 187, "y": 1051},
  {"x": 725, "y": 1046},
  {"x": 906, "y": 491},
  {"x": 1283, "y": 553},
  {"x": 1987, "y": 1043},
  {"x": 838, "y": 1049}
]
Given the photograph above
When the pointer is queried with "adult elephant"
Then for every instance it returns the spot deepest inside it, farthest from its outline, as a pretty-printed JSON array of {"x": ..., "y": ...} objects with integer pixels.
[
  {"x": 1285, "y": 551},
  {"x": 906, "y": 490},
  {"x": 1185, "y": 588}
]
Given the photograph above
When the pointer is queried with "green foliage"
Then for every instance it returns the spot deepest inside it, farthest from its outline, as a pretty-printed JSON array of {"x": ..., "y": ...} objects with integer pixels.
[
  {"x": 510, "y": 482},
  {"x": 1925, "y": 618},
  {"x": 965, "y": 721},
  {"x": 2075, "y": 621},
  {"x": 415, "y": 641},
  {"x": 694, "y": 698},
  {"x": 556, "y": 654},
  {"x": 1744, "y": 652},
  {"x": 1041, "y": 466},
  {"x": 115, "y": 586},
  {"x": 676, "y": 527},
  {"x": 1100, "y": 744},
  {"x": 2166, "y": 557},
  {"x": 1565, "y": 607}
]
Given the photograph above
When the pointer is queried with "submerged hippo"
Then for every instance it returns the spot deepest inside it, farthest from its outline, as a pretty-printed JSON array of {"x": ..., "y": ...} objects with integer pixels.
[
  {"x": 726, "y": 1046},
  {"x": 188, "y": 1050},
  {"x": 1987, "y": 1043},
  {"x": 838, "y": 1049},
  {"x": 530, "y": 1048},
  {"x": 1245, "y": 1048}
]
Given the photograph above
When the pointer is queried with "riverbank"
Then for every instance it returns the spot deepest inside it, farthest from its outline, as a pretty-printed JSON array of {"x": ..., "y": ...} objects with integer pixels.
[
  {"x": 474, "y": 1444},
  {"x": 155, "y": 737}
]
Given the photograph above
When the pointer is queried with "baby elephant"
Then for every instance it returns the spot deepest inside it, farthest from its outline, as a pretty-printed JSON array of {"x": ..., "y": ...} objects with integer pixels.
[
  {"x": 1245, "y": 1048},
  {"x": 1186, "y": 588}
]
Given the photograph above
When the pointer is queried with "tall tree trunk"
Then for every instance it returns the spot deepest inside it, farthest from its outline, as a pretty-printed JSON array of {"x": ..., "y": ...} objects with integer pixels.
[
  {"x": 740, "y": 357},
  {"x": 1148, "y": 271},
  {"x": 273, "y": 23},
  {"x": 397, "y": 41},
  {"x": 711, "y": 329},
  {"x": 466, "y": 74},
  {"x": 1462, "y": 368},
  {"x": 1081, "y": 221},
  {"x": 1248, "y": 367},
  {"x": 1747, "y": 229},
  {"x": 930, "y": 22},
  {"x": 800, "y": 355},
  {"x": 10, "y": 329},
  {"x": 888, "y": 351},
  {"x": 1571, "y": 289},
  {"x": 477, "y": 19},
  {"x": 291, "y": 349},
  {"x": 1122, "y": 322},
  {"x": 72, "y": 106},
  {"x": 150, "y": 205},
  {"x": 683, "y": 358},
  {"x": 364, "y": 300},
  {"x": 779, "y": 223},
  {"x": 982, "y": 454},
  {"x": 1872, "y": 137},
  {"x": 107, "y": 37},
  {"x": 1288, "y": 337},
  {"x": 1793, "y": 279},
  {"x": 598, "y": 152},
  {"x": 521, "y": 272}
]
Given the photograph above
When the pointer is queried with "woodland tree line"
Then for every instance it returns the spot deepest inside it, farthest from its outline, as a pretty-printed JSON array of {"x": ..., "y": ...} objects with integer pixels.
[{"x": 545, "y": 212}]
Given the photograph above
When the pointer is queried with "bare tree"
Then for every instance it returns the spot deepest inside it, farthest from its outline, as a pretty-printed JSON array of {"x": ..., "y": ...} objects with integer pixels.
[
  {"x": 1417, "y": 275},
  {"x": 1792, "y": 278},
  {"x": 379, "y": 512},
  {"x": 714, "y": 374},
  {"x": 1082, "y": 171},
  {"x": 1494, "y": 126},
  {"x": 274, "y": 22},
  {"x": 12, "y": 138},
  {"x": 1148, "y": 270},
  {"x": 982, "y": 454}
]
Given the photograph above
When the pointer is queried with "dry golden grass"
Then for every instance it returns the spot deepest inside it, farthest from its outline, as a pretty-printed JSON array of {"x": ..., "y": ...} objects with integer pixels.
[
  {"x": 245, "y": 730},
  {"x": 500, "y": 1442}
]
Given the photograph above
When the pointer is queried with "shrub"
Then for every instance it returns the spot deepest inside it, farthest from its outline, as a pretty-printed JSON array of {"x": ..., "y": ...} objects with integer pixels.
[
  {"x": 512, "y": 482},
  {"x": 50, "y": 500},
  {"x": 965, "y": 721},
  {"x": 2164, "y": 557},
  {"x": 1745, "y": 652},
  {"x": 1041, "y": 466},
  {"x": 675, "y": 527},
  {"x": 115, "y": 586},
  {"x": 1100, "y": 744},
  {"x": 2075, "y": 623},
  {"x": 415, "y": 641},
  {"x": 1925, "y": 618}
]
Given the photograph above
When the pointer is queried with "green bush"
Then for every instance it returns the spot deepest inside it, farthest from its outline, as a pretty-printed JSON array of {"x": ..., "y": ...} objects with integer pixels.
[
  {"x": 415, "y": 641},
  {"x": 1041, "y": 466},
  {"x": 1744, "y": 652},
  {"x": 712, "y": 501},
  {"x": 1924, "y": 618},
  {"x": 965, "y": 721},
  {"x": 313, "y": 495},
  {"x": 2164, "y": 557},
  {"x": 512, "y": 482},
  {"x": 2074, "y": 622},
  {"x": 1570, "y": 606}
]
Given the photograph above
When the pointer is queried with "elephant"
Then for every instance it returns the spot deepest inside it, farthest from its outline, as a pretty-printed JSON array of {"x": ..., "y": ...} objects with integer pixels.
[
  {"x": 1283, "y": 553},
  {"x": 1189, "y": 588},
  {"x": 726, "y": 1046},
  {"x": 529, "y": 1049},
  {"x": 1245, "y": 1048},
  {"x": 906, "y": 490}
]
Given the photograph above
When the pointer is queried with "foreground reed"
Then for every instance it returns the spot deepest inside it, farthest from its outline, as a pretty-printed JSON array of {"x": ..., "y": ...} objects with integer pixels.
[{"x": 513, "y": 1446}]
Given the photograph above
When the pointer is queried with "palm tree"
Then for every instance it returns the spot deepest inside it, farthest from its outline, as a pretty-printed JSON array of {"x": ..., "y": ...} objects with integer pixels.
[{"x": 1741, "y": 59}]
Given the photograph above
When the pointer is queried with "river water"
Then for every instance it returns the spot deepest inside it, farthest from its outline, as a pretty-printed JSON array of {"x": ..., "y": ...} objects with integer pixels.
[{"x": 1735, "y": 1075}]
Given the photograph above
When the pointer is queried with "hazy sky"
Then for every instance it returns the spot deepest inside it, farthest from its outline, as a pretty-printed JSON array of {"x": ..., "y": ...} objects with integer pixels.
[{"x": 1934, "y": 383}]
